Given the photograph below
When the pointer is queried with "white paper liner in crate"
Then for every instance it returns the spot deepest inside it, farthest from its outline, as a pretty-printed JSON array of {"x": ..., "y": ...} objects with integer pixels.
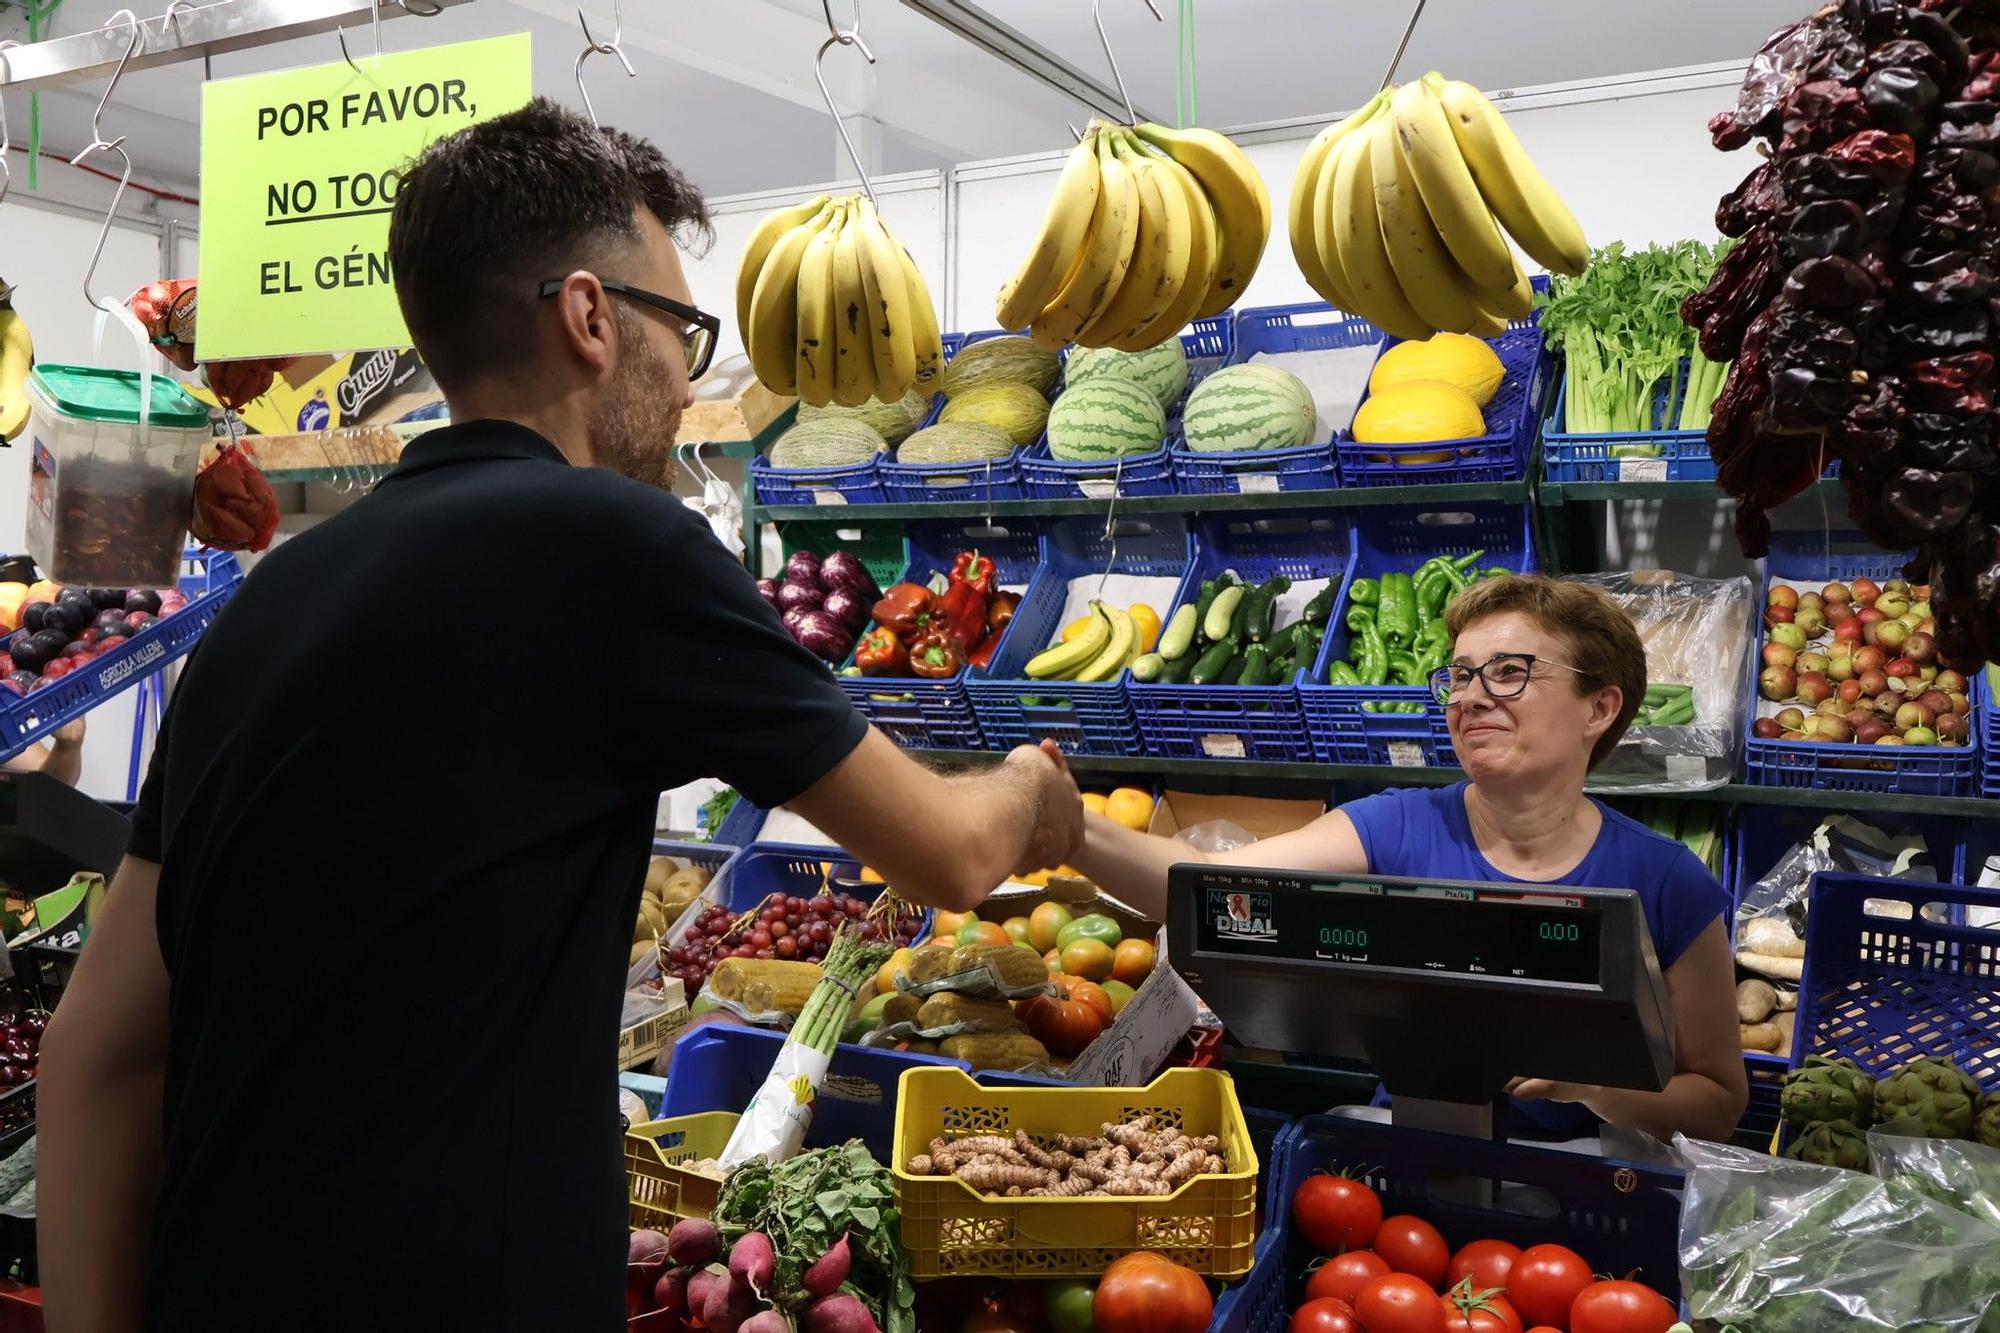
[{"x": 1119, "y": 590}]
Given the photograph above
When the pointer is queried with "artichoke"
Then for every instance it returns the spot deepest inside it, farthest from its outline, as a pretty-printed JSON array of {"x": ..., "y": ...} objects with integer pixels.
[
  {"x": 1936, "y": 1093},
  {"x": 1824, "y": 1089},
  {"x": 1832, "y": 1143},
  {"x": 1986, "y": 1127}
]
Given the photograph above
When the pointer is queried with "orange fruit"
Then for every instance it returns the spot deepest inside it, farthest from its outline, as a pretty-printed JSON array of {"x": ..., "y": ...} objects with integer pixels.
[
  {"x": 1131, "y": 807},
  {"x": 1046, "y": 923},
  {"x": 1089, "y": 959},
  {"x": 1132, "y": 961},
  {"x": 885, "y": 976}
]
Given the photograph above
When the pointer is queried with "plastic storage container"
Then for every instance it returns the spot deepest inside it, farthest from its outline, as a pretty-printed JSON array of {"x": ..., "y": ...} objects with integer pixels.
[
  {"x": 1233, "y": 721},
  {"x": 1083, "y": 718},
  {"x": 958, "y": 483},
  {"x": 879, "y": 545},
  {"x": 1342, "y": 729},
  {"x": 1941, "y": 770},
  {"x": 1987, "y": 710},
  {"x": 950, "y": 1230},
  {"x": 932, "y": 714},
  {"x": 109, "y": 500},
  {"x": 1310, "y": 326},
  {"x": 851, "y": 484}
]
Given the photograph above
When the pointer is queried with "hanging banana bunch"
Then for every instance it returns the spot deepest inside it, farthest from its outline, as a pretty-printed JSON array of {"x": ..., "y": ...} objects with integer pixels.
[
  {"x": 832, "y": 307},
  {"x": 17, "y": 358},
  {"x": 1396, "y": 214},
  {"x": 1150, "y": 227}
]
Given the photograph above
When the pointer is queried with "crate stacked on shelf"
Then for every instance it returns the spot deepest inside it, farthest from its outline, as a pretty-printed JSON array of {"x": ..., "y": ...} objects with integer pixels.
[
  {"x": 1265, "y": 721},
  {"x": 915, "y": 483},
  {"x": 1987, "y": 709},
  {"x": 1307, "y": 327},
  {"x": 1664, "y": 452},
  {"x": 1402, "y": 725},
  {"x": 930, "y": 712}
]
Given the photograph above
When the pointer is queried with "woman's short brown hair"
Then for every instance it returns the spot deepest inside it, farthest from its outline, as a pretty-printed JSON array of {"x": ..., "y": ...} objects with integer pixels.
[{"x": 1602, "y": 643}]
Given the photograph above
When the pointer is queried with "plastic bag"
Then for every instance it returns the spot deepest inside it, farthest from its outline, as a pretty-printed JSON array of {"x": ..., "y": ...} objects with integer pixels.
[
  {"x": 1771, "y": 919},
  {"x": 1770, "y": 1245},
  {"x": 1696, "y": 633},
  {"x": 1961, "y": 1175},
  {"x": 235, "y": 508},
  {"x": 1216, "y": 835}
]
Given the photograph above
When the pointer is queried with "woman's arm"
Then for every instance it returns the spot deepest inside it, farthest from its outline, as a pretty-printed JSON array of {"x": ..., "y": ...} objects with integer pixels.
[
  {"x": 1705, "y": 1097},
  {"x": 1132, "y": 866}
]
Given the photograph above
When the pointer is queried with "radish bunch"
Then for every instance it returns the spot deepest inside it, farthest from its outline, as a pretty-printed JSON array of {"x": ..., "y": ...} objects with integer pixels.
[{"x": 680, "y": 1278}]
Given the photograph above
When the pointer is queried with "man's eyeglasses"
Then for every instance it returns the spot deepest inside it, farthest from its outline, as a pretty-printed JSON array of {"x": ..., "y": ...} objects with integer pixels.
[
  {"x": 697, "y": 340},
  {"x": 1506, "y": 676}
]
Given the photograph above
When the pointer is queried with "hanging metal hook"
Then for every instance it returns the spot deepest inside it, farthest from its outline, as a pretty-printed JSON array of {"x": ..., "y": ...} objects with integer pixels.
[
  {"x": 853, "y": 29},
  {"x": 6, "y": 139},
  {"x": 375, "y": 22},
  {"x": 171, "y": 21},
  {"x": 591, "y": 46},
  {"x": 850, "y": 37},
  {"x": 1408, "y": 30},
  {"x": 98, "y": 145},
  {"x": 1131, "y": 116}
]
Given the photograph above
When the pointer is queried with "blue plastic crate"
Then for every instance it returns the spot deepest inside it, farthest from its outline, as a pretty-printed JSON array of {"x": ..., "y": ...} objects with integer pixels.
[
  {"x": 936, "y": 714},
  {"x": 1094, "y": 718},
  {"x": 1046, "y": 477},
  {"x": 739, "y": 827},
  {"x": 1258, "y": 1301},
  {"x": 762, "y": 869},
  {"x": 1400, "y": 539},
  {"x": 912, "y": 483},
  {"x": 1662, "y": 453},
  {"x": 1309, "y": 326},
  {"x": 1882, "y": 990},
  {"x": 210, "y": 580},
  {"x": 1944, "y": 770},
  {"x": 720, "y": 1066},
  {"x": 1235, "y": 721},
  {"x": 855, "y": 484},
  {"x": 1987, "y": 710}
]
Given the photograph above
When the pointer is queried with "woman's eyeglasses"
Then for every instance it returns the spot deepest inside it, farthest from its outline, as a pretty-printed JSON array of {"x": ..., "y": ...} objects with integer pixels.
[
  {"x": 697, "y": 340},
  {"x": 1506, "y": 676}
]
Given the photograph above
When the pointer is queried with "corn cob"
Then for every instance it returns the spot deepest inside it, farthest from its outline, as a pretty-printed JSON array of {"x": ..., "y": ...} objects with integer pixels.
[{"x": 949, "y": 1008}]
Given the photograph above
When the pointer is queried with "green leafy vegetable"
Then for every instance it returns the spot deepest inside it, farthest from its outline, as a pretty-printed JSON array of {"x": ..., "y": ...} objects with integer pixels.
[{"x": 716, "y": 809}]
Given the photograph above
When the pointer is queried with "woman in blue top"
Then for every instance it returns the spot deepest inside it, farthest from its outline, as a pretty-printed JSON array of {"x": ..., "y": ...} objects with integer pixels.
[{"x": 1546, "y": 677}]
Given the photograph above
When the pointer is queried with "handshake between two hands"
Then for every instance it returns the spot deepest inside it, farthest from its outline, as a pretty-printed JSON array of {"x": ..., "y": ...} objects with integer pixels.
[{"x": 1058, "y": 835}]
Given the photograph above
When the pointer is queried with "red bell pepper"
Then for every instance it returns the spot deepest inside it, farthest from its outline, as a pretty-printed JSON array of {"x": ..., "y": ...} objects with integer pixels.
[
  {"x": 963, "y": 606},
  {"x": 881, "y": 653},
  {"x": 906, "y": 608},
  {"x": 976, "y": 569},
  {"x": 936, "y": 655},
  {"x": 983, "y": 654},
  {"x": 1000, "y": 610}
]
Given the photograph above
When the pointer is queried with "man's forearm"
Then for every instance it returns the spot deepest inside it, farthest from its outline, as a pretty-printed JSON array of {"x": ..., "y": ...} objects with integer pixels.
[
  {"x": 1008, "y": 799},
  {"x": 98, "y": 1161},
  {"x": 1129, "y": 865}
]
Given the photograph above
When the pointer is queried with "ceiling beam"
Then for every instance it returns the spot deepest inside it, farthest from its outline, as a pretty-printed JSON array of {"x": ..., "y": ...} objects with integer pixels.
[{"x": 1012, "y": 47}]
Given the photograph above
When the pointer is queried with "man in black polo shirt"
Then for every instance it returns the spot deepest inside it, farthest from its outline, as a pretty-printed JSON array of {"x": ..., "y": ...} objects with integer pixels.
[{"x": 339, "y": 1053}]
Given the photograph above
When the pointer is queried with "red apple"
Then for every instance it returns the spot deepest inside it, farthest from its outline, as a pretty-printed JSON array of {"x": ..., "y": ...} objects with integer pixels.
[
  {"x": 1778, "y": 615},
  {"x": 1869, "y": 615},
  {"x": 1814, "y": 689},
  {"x": 1950, "y": 727},
  {"x": 1849, "y": 691},
  {"x": 1936, "y": 700},
  {"x": 1873, "y": 682},
  {"x": 1778, "y": 682},
  {"x": 1951, "y": 682},
  {"x": 1866, "y": 590},
  {"x": 1783, "y": 594},
  {"x": 1870, "y": 729},
  {"x": 1766, "y": 729},
  {"x": 1849, "y": 630}
]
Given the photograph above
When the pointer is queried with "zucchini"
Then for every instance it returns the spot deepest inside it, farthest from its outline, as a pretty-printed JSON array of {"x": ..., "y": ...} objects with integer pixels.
[
  {"x": 1209, "y": 588},
  {"x": 1177, "y": 671},
  {"x": 1212, "y": 662},
  {"x": 1146, "y": 667},
  {"x": 1222, "y": 613},
  {"x": 1233, "y": 673},
  {"x": 1180, "y": 633},
  {"x": 1260, "y": 606},
  {"x": 1256, "y": 666}
]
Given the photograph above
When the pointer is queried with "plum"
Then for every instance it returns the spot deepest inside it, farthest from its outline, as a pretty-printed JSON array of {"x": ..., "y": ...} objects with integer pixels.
[
  {"x": 32, "y": 613},
  {"x": 143, "y": 599},
  {"x": 31, "y": 654}
]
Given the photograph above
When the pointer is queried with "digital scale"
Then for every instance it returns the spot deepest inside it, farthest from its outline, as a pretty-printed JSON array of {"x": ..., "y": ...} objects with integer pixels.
[{"x": 1448, "y": 988}]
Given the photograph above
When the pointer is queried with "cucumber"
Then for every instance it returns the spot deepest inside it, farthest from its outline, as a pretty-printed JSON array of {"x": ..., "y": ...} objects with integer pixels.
[
  {"x": 1180, "y": 633},
  {"x": 1146, "y": 667},
  {"x": 1233, "y": 673},
  {"x": 1260, "y": 606},
  {"x": 1177, "y": 671},
  {"x": 1222, "y": 614},
  {"x": 1212, "y": 662}
]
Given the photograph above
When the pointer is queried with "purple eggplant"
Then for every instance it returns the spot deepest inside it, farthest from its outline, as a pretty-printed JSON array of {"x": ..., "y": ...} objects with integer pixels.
[
  {"x": 802, "y": 595},
  {"x": 794, "y": 618},
  {"x": 843, "y": 569},
  {"x": 846, "y": 606},
  {"x": 824, "y": 637},
  {"x": 803, "y": 567},
  {"x": 768, "y": 590}
]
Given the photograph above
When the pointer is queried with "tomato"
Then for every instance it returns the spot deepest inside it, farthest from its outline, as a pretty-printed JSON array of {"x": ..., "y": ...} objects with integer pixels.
[
  {"x": 1344, "y": 1275},
  {"x": 1045, "y": 924},
  {"x": 1620, "y": 1307},
  {"x": 1132, "y": 961},
  {"x": 1090, "y": 993},
  {"x": 1095, "y": 926},
  {"x": 1089, "y": 959},
  {"x": 1325, "y": 1315},
  {"x": 1399, "y": 1303},
  {"x": 1412, "y": 1245},
  {"x": 1486, "y": 1262},
  {"x": 948, "y": 924},
  {"x": 1544, "y": 1281},
  {"x": 1066, "y": 1305},
  {"x": 975, "y": 931},
  {"x": 995, "y": 1321},
  {"x": 1335, "y": 1213},
  {"x": 1063, "y": 1025},
  {"x": 1146, "y": 1292},
  {"x": 1470, "y": 1309}
]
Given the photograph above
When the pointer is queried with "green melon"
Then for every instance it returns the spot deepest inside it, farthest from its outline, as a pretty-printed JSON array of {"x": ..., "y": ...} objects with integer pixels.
[
  {"x": 827, "y": 442},
  {"x": 1247, "y": 407},
  {"x": 892, "y": 421},
  {"x": 1009, "y": 360},
  {"x": 1162, "y": 371},
  {"x": 1018, "y": 409},
  {"x": 956, "y": 442},
  {"x": 1105, "y": 418}
]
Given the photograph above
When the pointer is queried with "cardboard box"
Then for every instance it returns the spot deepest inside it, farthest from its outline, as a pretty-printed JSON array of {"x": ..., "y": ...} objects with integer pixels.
[
  {"x": 1262, "y": 815},
  {"x": 730, "y": 404},
  {"x": 639, "y": 1045}
]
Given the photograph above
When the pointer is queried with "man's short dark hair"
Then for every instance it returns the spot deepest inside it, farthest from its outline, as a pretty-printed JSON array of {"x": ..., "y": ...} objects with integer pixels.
[{"x": 487, "y": 214}]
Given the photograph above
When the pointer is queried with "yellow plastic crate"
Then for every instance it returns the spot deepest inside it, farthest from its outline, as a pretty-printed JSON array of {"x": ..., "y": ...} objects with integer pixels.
[
  {"x": 952, "y": 1230},
  {"x": 662, "y": 1191}
]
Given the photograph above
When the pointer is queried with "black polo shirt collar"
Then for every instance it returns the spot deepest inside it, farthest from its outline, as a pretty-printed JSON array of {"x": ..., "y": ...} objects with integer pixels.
[{"x": 474, "y": 442}]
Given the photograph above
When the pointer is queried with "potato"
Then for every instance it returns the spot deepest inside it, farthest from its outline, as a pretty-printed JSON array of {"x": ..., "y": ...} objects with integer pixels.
[
  {"x": 640, "y": 948},
  {"x": 1756, "y": 1000},
  {"x": 1764, "y": 1037}
]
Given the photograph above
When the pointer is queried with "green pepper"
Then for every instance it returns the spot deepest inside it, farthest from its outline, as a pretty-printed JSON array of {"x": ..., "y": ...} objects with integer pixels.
[
  {"x": 1374, "y": 663},
  {"x": 1233, "y": 673},
  {"x": 1212, "y": 662},
  {"x": 1256, "y": 666},
  {"x": 1397, "y": 615},
  {"x": 1357, "y": 616},
  {"x": 1342, "y": 673},
  {"x": 1320, "y": 609},
  {"x": 1466, "y": 562},
  {"x": 1363, "y": 592},
  {"x": 1209, "y": 588},
  {"x": 1177, "y": 671},
  {"x": 1402, "y": 667},
  {"x": 1496, "y": 573},
  {"x": 1432, "y": 593},
  {"x": 1456, "y": 580}
]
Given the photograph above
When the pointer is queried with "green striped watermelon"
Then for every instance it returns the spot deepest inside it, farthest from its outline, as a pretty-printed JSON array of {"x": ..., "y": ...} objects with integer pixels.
[
  {"x": 1105, "y": 418},
  {"x": 1162, "y": 371},
  {"x": 1247, "y": 407}
]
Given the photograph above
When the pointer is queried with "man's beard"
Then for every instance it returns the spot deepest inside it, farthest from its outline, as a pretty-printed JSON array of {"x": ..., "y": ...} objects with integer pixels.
[{"x": 633, "y": 428}]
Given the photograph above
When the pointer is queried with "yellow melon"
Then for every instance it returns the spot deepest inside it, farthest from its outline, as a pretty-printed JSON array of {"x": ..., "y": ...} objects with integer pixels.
[
  {"x": 1452, "y": 358},
  {"x": 1416, "y": 413}
]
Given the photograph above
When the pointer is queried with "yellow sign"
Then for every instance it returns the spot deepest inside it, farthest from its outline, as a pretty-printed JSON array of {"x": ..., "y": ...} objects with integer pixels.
[{"x": 299, "y": 170}]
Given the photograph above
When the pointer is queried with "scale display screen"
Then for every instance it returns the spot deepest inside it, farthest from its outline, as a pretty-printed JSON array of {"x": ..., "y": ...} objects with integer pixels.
[{"x": 1435, "y": 930}]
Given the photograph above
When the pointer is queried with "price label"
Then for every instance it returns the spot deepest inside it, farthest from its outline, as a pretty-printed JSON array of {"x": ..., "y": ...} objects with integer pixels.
[
  {"x": 1257, "y": 483},
  {"x": 1098, "y": 488},
  {"x": 1407, "y": 754},
  {"x": 829, "y": 498},
  {"x": 1222, "y": 747},
  {"x": 1687, "y": 768},
  {"x": 1642, "y": 469}
]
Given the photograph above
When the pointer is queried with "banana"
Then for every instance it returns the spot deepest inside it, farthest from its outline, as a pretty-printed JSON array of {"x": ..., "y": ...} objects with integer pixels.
[
  {"x": 1431, "y": 155},
  {"x": 1204, "y": 246},
  {"x": 815, "y": 345},
  {"x": 1124, "y": 638},
  {"x": 853, "y": 351},
  {"x": 1515, "y": 301},
  {"x": 762, "y": 241},
  {"x": 1235, "y": 192},
  {"x": 1300, "y": 209},
  {"x": 17, "y": 358},
  {"x": 925, "y": 341},
  {"x": 1436, "y": 287},
  {"x": 1064, "y": 660},
  {"x": 1321, "y": 232},
  {"x": 1349, "y": 222},
  {"x": 1065, "y": 228},
  {"x": 1107, "y": 254},
  {"x": 1516, "y": 192},
  {"x": 1159, "y": 258},
  {"x": 771, "y": 334},
  {"x": 890, "y": 316}
]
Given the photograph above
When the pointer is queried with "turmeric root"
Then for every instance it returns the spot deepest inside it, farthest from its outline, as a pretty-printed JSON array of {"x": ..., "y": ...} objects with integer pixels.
[
  {"x": 1129, "y": 1160},
  {"x": 990, "y": 1176}
]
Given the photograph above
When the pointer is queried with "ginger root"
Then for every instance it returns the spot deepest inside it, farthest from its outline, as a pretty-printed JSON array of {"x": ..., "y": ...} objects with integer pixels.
[{"x": 1131, "y": 1160}]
